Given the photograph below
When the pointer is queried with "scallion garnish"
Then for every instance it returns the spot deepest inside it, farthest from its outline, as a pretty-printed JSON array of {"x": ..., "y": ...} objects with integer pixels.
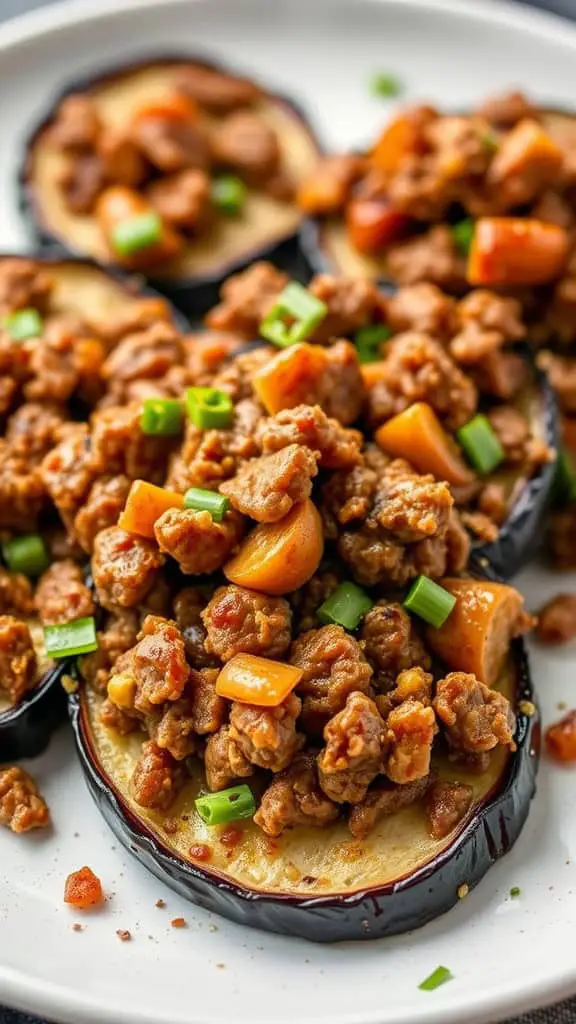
[
  {"x": 293, "y": 317},
  {"x": 515, "y": 891},
  {"x": 161, "y": 416},
  {"x": 227, "y": 805},
  {"x": 208, "y": 408},
  {"x": 462, "y": 235},
  {"x": 481, "y": 444},
  {"x": 438, "y": 977},
  {"x": 346, "y": 607},
  {"x": 137, "y": 233},
  {"x": 207, "y": 501},
  {"x": 429, "y": 601},
  {"x": 368, "y": 341},
  {"x": 229, "y": 194},
  {"x": 24, "y": 324},
  {"x": 26, "y": 554},
  {"x": 71, "y": 638},
  {"x": 386, "y": 85}
]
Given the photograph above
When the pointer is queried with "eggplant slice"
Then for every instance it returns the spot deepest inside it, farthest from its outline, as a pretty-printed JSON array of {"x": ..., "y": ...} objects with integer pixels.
[
  {"x": 320, "y": 884},
  {"x": 26, "y": 727},
  {"x": 268, "y": 227}
]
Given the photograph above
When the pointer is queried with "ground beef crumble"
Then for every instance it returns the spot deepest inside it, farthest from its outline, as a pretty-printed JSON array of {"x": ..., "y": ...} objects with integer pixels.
[{"x": 22, "y": 808}]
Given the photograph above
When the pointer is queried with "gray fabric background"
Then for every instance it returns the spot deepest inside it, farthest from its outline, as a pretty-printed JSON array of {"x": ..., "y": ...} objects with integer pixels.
[{"x": 563, "y": 1013}]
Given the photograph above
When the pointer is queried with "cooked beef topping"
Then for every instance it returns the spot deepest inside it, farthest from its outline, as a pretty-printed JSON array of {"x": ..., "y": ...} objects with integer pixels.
[
  {"x": 224, "y": 761},
  {"x": 266, "y": 488},
  {"x": 157, "y": 778},
  {"x": 355, "y": 742},
  {"x": 62, "y": 594},
  {"x": 383, "y": 801},
  {"x": 477, "y": 718},
  {"x": 124, "y": 567},
  {"x": 295, "y": 798},
  {"x": 333, "y": 666},
  {"x": 391, "y": 642},
  {"x": 267, "y": 737},
  {"x": 336, "y": 446},
  {"x": 447, "y": 803},
  {"x": 240, "y": 621},
  {"x": 194, "y": 540},
  {"x": 17, "y": 658},
  {"x": 22, "y": 807}
]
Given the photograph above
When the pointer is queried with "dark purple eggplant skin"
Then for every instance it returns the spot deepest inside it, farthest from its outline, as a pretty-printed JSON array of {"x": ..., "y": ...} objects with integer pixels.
[
  {"x": 392, "y": 909},
  {"x": 25, "y": 729},
  {"x": 193, "y": 295}
]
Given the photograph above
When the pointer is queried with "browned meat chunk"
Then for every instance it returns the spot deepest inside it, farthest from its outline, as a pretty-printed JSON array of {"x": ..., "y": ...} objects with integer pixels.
[
  {"x": 295, "y": 798},
  {"x": 348, "y": 496},
  {"x": 246, "y": 143},
  {"x": 506, "y": 109},
  {"x": 194, "y": 540},
  {"x": 157, "y": 778},
  {"x": 411, "y": 507},
  {"x": 102, "y": 507},
  {"x": 266, "y": 488},
  {"x": 338, "y": 447},
  {"x": 115, "y": 718},
  {"x": 514, "y": 433},
  {"x": 62, "y": 595},
  {"x": 423, "y": 308},
  {"x": 224, "y": 761},
  {"x": 418, "y": 369},
  {"x": 156, "y": 665},
  {"x": 22, "y": 807},
  {"x": 411, "y": 684},
  {"x": 333, "y": 666},
  {"x": 69, "y": 471},
  {"x": 557, "y": 620},
  {"x": 493, "y": 502},
  {"x": 525, "y": 164},
  {"x": 215, "y": 90},
  {"x": 242, "y": 621},
  {"x": 81, "y": 180},
  {"x": 15, "y": 594},
  {"x": 150, "y": 353},
  {"x": 208, "y": 457},
  {"x": 431, "y": 257},
  {"x": 24, "y": 283},
  {"x": 410, "y": 731},
  {"x": 447, "y": 803},
  {"x": 120, "y": 446},
  {"x": 124, "y": 567},
  {"x": 476, "y": 718},
  {"x": 561, "y": 371},
  {"x": 17, "y": 658},
  {"x": 391, "y": 642},
  {"x": 77, "y": 125},
  {"x": 352, "y": 757},
  {"x": 188, "y": 607},
  {"x": 182, "y": 199},
  {"x": 34, "y": 429},
  {"x": 22, "y": 491},
  {"x": 208, "y": 710},
  {"x": 382, "y": 802},
  {"x": 122, "y": 161},
  {"x": 308, "y": 599},
  {"x": 171, "y": 144},
  {"x": 491, "y": 312},
  {"x": 246, "y": 299},
  {"x": 352, "y": 303},
  {"x": 267, "y": 737},
  {"x": 175, "y": 730}
]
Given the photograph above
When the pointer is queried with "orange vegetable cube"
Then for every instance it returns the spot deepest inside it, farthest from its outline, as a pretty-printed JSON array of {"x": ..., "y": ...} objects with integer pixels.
[
  {"x": 252, "y": 680},
  {"x": 277, "y": 558},
  {"x": 418, "y": 436},
  {"x": 516, "y": 250},
  {"x": 144, "y": 505}
]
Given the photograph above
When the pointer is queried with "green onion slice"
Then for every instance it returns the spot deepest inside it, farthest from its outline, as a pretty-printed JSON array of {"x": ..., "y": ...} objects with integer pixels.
[
  {"x": 229, "y": 194},
  {"x": 481, "y": 444},
  {"x": 438, "y": 977},
  {"x": 71, "y": 638},
  {"x": 207, "y": 501},
  {"x": 24, "y": 324},
  {"x": 429, "y": 601},
  {"x": 26, "y": 554},
  {"x": 462, "y": 234},
  {"x": 227, "y": 805},
  {"x": 368, "y": 341},
  {"x": 208, "y": 408},
  {"x": 137, "y": 233},
  {"x": 515, "y": 891},
  {"x": 386, "y": 85},
  {"x": 293, "y": 317},
  {"x": 346, "y": 607},
  {"x": 161, "y": 416}
]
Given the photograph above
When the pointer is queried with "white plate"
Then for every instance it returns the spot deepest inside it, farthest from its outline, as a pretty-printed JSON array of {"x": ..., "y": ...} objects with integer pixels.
[{"x": 506, "y": 955}]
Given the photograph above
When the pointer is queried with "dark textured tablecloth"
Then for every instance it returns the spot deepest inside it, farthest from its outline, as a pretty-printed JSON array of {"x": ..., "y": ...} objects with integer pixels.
[{"x": 563, "y": 1013}]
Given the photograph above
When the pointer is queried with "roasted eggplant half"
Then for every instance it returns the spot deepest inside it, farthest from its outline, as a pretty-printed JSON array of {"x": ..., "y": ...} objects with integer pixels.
[
  {"x": 171, "y": 166},
  {"x": 323, "y": 884},
  {"x": 27, "y": 725}
]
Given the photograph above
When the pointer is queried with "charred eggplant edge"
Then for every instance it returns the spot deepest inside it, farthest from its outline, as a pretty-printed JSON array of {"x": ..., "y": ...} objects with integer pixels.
[
  {"x": 194, "y": 294},
  {"x": 376, "y": 912}
]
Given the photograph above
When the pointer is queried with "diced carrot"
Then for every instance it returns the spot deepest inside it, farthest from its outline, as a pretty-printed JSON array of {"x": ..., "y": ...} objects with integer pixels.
[
  {"x": 418, "y": 436},
  {"x": 399, "y": 139},
  {"x": 561, "y": 738},
  {"x": 83, "y": 890},
  {"x": 117, "y": 204},
  {"x": 88, "y": 355},
  {"x": 259, "y": 681},
  {"x": 372, "y": 372},
  {"x": 325, "y": 190},
  {"x": 285, "y": 380},
  {"x": 373, "y": 224},
  {"x": 277, "y": 558},
  {"x": 175, "y": 106},
  {"x": 144, "y": 505},
  {"x": 516, "y": 250},
  {"x": 476, "y": 635}
]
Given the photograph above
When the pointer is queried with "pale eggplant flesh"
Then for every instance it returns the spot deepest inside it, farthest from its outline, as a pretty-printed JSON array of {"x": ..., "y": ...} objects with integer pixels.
[
  {"x": 267, "y": 228},
  {"x": 320, "y": 884}
]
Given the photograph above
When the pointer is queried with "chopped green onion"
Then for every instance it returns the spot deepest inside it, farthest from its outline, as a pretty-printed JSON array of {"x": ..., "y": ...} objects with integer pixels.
[
  {"x": 429, "y": 601},
  {"x": 490, "y": 141},
  {"x": 564, "y": 484},
  {"x": 207, "y": 501},
  {"x": 303, "y": 310},
  {"x": 515, "y": 891},
  {"x": 26, "y": 554},
  {"x": 25, "y": 324},
  {"x": 208, "y": 408},
  {"x": 368, "y": 341},
  {"x": 481, "y": 444},
  {"x": 70, "y": 638},
  {"x": 227, "y": 805},
  {"x": 386, "y": 85},
  {"x": 346, "y": 606},
  {"x": 438, "y": 977},
  {"x": 462, "y": 235},
  {"x": 161, "y": 416},
  {"x": 136, "y": 233},
  {"x": 229, "y": 194}
]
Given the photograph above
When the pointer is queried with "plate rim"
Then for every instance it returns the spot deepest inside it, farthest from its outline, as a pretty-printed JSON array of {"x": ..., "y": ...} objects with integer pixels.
[{"x": 58, "y": 1002}]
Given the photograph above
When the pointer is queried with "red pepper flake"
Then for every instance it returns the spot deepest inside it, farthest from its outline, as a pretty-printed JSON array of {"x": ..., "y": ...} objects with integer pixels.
[
  {"x": 77, "y": 927},
  {"x": 160, "y": 904},
  {"x": 178, "y": 922},
  {"x": 200, "y": 851},
  {"x": 123, "y": 935},
  {"x": 230, "y": 837},
  {"x": 561, "y": 738},
  {"x": 83, "y": 890}
]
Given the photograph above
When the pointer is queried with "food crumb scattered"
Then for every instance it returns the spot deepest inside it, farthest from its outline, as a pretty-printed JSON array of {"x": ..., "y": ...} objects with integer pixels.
[
  {"x": 160, "y": 904},
  {"x": 69, "y": 684},
  {"x": 76, "y": 927},
  {"x": 463, "y": 891},
  {"x": 221, "y": 965},
  {"x": 178, "y": 922},
  {"x": 123, "y": 934},
  {"x": 83, "y": 890},
  {"x": 212, "y": 927},
  {"x": 526, "y": 707}
]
